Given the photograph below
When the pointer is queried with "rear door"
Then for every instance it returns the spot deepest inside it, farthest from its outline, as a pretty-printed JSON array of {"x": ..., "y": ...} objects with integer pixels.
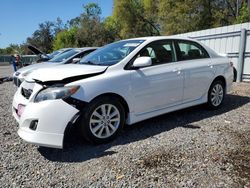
[{"x": 197, "y": 68}]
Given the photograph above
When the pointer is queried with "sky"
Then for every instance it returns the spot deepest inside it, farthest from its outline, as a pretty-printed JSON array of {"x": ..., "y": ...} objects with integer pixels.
[{"x": 20, "y": 18}]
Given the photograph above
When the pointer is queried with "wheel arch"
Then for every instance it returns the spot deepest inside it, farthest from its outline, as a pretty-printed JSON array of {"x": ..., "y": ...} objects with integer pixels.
[
  {"x": 221, "y": 78},
  {"x": 117, "y": 96},
  {"x": 75, "y": 119}
]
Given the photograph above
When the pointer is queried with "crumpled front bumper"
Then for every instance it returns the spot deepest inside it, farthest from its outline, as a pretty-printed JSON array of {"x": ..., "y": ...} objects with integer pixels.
[{"x": 52, "y": 117}]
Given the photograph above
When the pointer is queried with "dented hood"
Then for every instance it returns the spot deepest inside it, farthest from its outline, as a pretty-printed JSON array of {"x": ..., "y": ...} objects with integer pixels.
[
  {"x": 35, "y": 66},
  {"x": 65, "y": 73}
]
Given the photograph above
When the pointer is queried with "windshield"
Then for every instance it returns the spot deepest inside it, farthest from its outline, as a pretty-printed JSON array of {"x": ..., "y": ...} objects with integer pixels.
[
  {"x": 112, "y": 53},
  {"x": 63, "y": 56},
  {"x": 54, "y": 53}
]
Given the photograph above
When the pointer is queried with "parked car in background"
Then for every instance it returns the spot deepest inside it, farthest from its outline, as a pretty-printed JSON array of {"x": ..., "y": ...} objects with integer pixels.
[
  {"x": 70, "y": 56},
  {"x": 42, "y": 57},
  {"x": 58, "y": 52},
  {"x": 124, "y": 82}
]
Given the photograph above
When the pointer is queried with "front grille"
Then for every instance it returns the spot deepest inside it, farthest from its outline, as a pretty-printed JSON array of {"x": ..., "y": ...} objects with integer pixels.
[{"x": 26, "y": 92}]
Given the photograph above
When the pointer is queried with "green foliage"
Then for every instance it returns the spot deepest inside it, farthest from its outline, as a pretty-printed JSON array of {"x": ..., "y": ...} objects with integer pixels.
[
  {"x": 111, "y": 25},
  {"x": 135, "y": 18},
  {"x": 58, "y": 26},
  {"x": 43, "y": 37},
  {"x": 75, "y": 22},
  {"x": 92, "y": 10},
  {"x": 15, "y": 49},
  {"x": 92, "y": 31},
  {"x": 86, "y": 30},
  {"x": 155, "y": 17},
  {"x": 244, "y": 14},
  {"x": 181, "y": 18},
  {"x": 65, "y": 38},
  {"x": 6, "y": 51}
]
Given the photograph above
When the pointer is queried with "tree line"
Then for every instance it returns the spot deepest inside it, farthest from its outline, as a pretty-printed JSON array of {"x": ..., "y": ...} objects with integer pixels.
[{"x": 134, "y": 18}]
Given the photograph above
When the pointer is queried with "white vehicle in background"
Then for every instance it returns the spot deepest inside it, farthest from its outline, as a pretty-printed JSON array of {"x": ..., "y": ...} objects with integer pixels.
[
  {"x": 42, "y": 57},
  {"x": 71, "y": 56},
  {"x": 124, "y": 82},
  {"x": 58, "y": 52}
]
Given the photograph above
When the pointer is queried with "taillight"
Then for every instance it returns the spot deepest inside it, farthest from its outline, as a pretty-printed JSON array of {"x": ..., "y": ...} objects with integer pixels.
[{"x": 231, "y": 64}]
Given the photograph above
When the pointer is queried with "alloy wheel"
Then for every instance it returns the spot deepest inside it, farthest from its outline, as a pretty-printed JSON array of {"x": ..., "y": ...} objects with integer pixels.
[
  {"x": 217, "y": 95},
  {"x": 104, "y": 121}
]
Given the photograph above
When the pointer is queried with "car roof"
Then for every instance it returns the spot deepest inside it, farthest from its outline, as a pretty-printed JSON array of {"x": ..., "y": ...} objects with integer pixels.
[
  {"x": 152, "y": 38},
  {"x": 64, "y": 49},
  {"x": 85, "y": 48}
]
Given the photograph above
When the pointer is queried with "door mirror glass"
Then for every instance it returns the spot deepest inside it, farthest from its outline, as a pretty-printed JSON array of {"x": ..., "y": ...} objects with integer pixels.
[{"x": 142, "y": 62}]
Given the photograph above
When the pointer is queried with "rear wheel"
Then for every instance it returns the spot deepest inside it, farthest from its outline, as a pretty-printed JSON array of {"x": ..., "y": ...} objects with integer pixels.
[
  {"x": 216, "y": 94},
  {"x": 102, "y": 120},
  {"x": 235, "y": 74}
]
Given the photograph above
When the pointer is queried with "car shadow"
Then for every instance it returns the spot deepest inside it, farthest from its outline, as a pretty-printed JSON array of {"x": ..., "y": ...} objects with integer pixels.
[{"x": 77, "y": 150}]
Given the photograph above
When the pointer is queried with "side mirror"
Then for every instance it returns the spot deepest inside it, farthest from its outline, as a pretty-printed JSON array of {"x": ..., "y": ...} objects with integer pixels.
[
  {"x": 74, "y": 60},
  {"x": 142, "y": 62}
]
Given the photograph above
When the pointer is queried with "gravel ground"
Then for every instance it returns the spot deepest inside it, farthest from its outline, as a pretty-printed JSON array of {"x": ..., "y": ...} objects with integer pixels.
[
  {"x": 5, "y": 70},
  {"x": 194, "y": 147}
]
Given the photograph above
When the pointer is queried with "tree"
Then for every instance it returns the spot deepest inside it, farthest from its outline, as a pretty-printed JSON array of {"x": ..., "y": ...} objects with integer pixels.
[
  {"x": 6, "y": 51},
  {"x": 136, "y": 18},
  {"x": 244, "y": 14},
  {"x": 92, "y": 31},
  {"x": 58, "y": 26},
  {"x": 15, "y": 49},
  {"x": 75, "y": 22},
  {"x": 111, "y": 25},
  {"x": 43, "y": 37},
  {"x": 65, "y": 38}
]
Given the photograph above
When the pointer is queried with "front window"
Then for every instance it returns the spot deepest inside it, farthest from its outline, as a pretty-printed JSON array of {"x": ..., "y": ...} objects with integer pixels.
[
  {"x": 63, "y": 56},
  {"x": 112, "y": 53},
  {"x": 159, "y": 51}
]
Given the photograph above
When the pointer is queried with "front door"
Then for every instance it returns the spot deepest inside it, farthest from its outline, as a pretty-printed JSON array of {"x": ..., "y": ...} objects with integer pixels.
[{"x": 160, "y": 85}]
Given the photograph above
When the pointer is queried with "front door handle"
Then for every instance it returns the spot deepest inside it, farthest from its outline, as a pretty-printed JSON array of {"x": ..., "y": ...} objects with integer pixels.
[
  {"x": 210, "y": 65},
  {"x": 177, "y": 70}
]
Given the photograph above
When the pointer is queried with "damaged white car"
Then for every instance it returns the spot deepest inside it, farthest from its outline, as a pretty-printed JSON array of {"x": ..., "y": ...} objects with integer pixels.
[{"x": 124, "y": 82}]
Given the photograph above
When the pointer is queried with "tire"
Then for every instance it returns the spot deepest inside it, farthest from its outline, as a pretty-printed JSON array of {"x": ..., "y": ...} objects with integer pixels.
[
  {"x": 235, "y": 74},
  {"x": 102, "y": 120},
  {"x": 216, "y": 94}
]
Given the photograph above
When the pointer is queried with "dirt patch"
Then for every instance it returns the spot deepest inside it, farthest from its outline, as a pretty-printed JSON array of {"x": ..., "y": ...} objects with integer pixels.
[{"x": 240, "y": 158}]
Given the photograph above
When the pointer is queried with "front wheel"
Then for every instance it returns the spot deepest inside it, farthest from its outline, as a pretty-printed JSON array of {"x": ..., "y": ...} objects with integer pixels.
[
  {"x": 216, "y": 94},
  {"x": 102, "y": 120}
]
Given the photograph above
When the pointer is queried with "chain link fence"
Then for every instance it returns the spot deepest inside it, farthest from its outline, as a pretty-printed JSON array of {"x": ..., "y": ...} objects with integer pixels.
[{"x": 25, "y": 59}]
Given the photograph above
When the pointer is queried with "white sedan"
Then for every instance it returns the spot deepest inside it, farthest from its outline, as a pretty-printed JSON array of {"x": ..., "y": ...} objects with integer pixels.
[
  {"x": 124, "y": 82},
  {"x": 65, "y": 57}
]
